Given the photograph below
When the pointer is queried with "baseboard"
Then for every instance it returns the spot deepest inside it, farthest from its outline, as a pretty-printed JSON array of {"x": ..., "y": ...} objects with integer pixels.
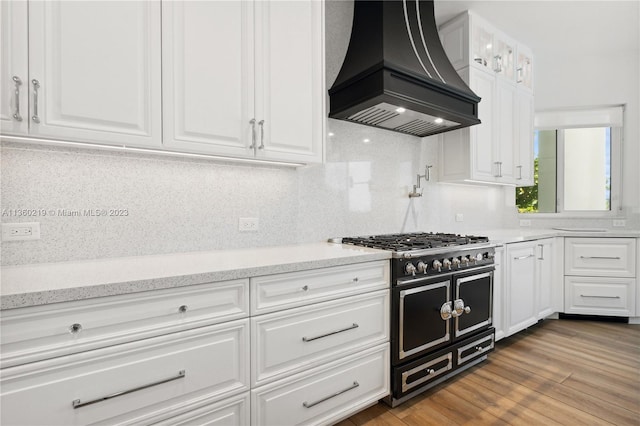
[{"x": 602, "y": 318}]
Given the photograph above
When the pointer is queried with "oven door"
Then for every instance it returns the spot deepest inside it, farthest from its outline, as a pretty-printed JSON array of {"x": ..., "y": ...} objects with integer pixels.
[
  {"x": 472, "y": 304},
  {"x": 418, "y": 325}
]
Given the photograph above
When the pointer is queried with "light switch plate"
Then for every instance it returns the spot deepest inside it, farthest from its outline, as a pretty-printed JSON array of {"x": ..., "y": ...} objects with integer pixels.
[{"x": 248, "y": 224}]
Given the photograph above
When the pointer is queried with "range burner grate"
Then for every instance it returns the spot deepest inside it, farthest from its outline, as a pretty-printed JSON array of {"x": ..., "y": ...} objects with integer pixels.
[{"x": 413, "y": 241}]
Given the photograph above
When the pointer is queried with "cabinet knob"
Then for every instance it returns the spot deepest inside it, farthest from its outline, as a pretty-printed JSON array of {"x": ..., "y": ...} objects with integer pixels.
[
  {"x": 182, "y": 309},
  {"x": 75, "y": 328}
]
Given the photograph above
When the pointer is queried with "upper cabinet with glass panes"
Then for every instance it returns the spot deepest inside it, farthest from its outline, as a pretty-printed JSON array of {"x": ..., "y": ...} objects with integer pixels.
[{"x": 469, "y": 40}]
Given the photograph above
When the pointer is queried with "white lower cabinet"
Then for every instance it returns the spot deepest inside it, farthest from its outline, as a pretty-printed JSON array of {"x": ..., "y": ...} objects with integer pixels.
[
  {"x": 315, "y": 351},
  {"x": 326, "y": 394},
  {"x": 520, "y": 291},
  {"x": 530, "y": 285},
  {"x": 320, "y": 352},
  {"x": 600, "y": 276},
  {"x": 131, "y": 382}
]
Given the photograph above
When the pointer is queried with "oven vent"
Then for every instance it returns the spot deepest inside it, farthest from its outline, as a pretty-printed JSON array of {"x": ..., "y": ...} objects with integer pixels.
[
  {"x": 420, "y": 128},
  {"x": 372, "y": 116},
  {"x": 390, "y": 117}
]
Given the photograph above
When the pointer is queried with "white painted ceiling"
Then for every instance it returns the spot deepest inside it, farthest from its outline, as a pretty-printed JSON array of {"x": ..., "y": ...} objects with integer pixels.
[{"x": 585, "y": 27}]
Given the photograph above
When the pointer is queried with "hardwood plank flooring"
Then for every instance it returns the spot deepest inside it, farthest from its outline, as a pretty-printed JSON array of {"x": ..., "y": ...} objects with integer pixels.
[{"x": 559, "y": 372}]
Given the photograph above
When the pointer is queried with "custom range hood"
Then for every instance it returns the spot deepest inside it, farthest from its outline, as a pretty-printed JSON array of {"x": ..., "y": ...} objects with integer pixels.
[{"x": 396, "y": 74}]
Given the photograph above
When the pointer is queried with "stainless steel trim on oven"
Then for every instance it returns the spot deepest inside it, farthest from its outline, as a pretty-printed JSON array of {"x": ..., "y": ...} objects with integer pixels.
[
  {"x": 489, "y": 317},
  {"x": 402, "y": 354},
  {"x": 431, "y": 375}
]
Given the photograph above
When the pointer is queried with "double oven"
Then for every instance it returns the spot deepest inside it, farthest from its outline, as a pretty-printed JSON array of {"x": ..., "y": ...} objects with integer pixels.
[{"x": 441, "y": 311}]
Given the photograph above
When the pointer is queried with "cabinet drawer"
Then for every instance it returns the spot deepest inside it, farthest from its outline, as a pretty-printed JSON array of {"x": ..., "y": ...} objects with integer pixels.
[
  {"x": 275, "y": 292},
  {"x": 324, "y": 395},
  {"x": 149, "y": 376},
  {"x": 229, "y": 412},
  {"x": 600, "y": 257},
  {"x": 600, "y": 296},
  {"x": 295, "y": 340},
  {"x": 41, "y": 332}
]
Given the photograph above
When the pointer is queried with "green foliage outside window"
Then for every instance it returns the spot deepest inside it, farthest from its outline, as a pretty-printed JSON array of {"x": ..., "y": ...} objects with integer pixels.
[{"x": 527, "y": 196}]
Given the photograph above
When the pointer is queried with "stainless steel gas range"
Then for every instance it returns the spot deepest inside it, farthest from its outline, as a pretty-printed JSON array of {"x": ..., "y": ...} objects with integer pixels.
[{"x": 441, "y": 310}]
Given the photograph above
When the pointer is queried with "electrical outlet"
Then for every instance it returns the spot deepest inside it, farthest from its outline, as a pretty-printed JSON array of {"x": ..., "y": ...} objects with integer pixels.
[
  {"x": 248, "y": 224},
  {"x": 21, "y": 231},
  {"x": 619, "y": 223},
  {"x": 525, "y": 222},
  {"x": 459, "y": 217}
]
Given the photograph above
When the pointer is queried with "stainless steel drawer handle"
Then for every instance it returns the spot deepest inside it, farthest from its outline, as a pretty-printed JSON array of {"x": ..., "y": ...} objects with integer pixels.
[
  {"x": 523, "y": 257},
  {"x": 600, "y": 297},
  {"x": 309, "y": 339},
  {"x": 76, "y": 403},
  {"x": 18, "y": 83},
  {"x": 261, "y": 124},
  {"x": 253, "y": 134},
  {"x": 309, "y": 405},
  {"x": 601, "y": 257},
  {"x": 36, "y": 86}
]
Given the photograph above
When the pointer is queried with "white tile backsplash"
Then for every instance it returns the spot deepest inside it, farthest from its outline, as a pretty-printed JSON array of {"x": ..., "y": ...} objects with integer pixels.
[{"x": 178, "y": 205}]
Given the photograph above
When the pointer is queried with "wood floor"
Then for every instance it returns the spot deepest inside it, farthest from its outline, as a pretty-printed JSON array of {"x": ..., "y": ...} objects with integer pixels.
[{"x": 559, "y": 372}]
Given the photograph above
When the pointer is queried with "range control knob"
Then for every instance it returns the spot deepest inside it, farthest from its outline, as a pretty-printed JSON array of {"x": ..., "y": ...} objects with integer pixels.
[
  {"x": 464, "y": 260},
  {"x": 410, "y": 269},
  {"x": 422, "y": 267},
  {"x": 456, "y": 262},
  {"x": 479, "y": 257},
  {"x": 447, "y": 264},
  {"x": 437, "y": 265}
]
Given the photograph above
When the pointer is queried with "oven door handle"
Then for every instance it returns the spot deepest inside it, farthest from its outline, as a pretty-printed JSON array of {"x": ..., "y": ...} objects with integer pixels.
[{"x": 446, "y": 311}]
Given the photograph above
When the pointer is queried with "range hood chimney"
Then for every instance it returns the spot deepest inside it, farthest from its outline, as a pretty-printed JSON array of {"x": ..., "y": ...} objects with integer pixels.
[{"x": 396, "y": 74}]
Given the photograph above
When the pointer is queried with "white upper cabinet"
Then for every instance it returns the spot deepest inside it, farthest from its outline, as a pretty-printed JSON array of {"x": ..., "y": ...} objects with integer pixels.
[
  {"x": 94, "y": 71},
  {"x": 244, "y": 79},
  {"x": 500, "y": 149},
  {"x": 289, "y": 84},
  {"x": 241, "y": 79},
  {"x": 14, "y": 59},
  {"x": 208, "y": 75}
]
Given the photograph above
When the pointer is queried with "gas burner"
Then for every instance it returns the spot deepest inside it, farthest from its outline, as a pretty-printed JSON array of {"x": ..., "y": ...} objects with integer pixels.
[{"x": 413, "y": 241}]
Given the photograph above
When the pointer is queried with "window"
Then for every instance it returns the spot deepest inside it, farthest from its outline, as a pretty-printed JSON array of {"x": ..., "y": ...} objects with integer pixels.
[{"x": 576, "y": 163}]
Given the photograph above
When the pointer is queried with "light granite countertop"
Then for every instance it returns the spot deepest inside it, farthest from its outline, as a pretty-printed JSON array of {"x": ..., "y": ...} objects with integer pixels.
[
  {"x": 39, "y": 284},
  {"x": 507, "y": 236}
]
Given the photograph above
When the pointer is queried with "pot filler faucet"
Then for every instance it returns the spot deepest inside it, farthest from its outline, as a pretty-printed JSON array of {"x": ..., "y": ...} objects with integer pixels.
[{"x": 427, "y": 178}]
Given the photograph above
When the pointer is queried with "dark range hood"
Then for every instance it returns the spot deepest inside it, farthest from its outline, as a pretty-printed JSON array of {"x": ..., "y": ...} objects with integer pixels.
[{"x": 396, "y": 74}]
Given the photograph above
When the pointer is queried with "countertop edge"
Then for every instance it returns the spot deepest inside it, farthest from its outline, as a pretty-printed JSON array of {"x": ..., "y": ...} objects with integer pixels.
[{"x": 45, "y": 297}]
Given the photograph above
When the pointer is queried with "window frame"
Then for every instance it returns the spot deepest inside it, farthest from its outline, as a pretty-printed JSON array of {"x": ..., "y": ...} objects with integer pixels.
[{"x": 569, "y": 119}]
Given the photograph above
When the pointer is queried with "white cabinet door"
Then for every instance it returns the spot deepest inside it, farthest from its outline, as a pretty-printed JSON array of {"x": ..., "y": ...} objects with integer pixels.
[
  {"x": 520, "y": 290},
  {"x": 208, "y": 75},
  {"x": 498, "y": 293},
  {"x": 14, "y": 57},
  {"x": 289, "y": 80},
  {"x": 523, "y": 146},
  {"x": 545, "y": 277},
  {"x": 482, "y": 135},
  {"x": 505, "y": 130},
  {"x": 95, "y": 71}
]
